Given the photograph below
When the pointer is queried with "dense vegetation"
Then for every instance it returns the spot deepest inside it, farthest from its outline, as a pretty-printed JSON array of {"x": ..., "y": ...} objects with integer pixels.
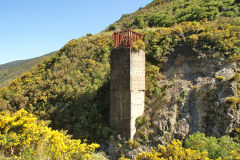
[
  {"x": 72, "y": 87},
  {"x": 12, "y": 70},
  {"x": 68, "y": 88},
  {"x": 223, "y": 147},
  {"x": 165, "y": 13},
  {"x": 23, "y": 136},
  {"x": 198, "y": 147}
]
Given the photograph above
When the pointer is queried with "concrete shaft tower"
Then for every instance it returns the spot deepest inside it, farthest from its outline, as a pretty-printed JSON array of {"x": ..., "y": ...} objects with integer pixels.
[{"x": 127, "y": 86}]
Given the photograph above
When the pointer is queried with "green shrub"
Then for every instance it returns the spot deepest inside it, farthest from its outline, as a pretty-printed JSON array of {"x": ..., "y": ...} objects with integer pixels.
[
  {"x": 139, "y": 23},
  {"x": 112, "y": 27},
  {"x": 229, "y": 14},
  {"x": 138, "y": 45},
  {"x": 222, "y": 147},
  {"x": 172, "y": 151}
]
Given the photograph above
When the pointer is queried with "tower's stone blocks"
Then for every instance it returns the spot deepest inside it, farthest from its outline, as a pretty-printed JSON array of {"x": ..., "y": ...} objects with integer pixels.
[{"x": 126, "y": 89}]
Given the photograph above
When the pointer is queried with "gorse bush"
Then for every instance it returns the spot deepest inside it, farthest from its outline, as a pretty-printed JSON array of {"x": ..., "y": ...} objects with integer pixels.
[
  {"x": 223, "y": 147},
  {"x": 23, "y": 135},
  {"x": 173, "y": 151}
]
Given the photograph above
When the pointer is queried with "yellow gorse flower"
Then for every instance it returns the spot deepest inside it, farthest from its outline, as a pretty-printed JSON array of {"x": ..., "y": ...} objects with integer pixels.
[
  {"x": 22, "y": 130},
  {"x": 172, "y": 151}
]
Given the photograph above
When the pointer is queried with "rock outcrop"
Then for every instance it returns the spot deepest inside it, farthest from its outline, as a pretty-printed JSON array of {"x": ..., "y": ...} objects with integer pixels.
[{"x": 197, "y": 88}]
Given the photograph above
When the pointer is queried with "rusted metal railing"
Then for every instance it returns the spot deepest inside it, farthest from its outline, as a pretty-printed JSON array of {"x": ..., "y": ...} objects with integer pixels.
[{"x": 125, "y": 38}]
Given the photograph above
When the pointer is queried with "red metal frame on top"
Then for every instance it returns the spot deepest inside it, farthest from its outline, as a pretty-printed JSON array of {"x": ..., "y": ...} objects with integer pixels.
[{"x": 125, "y": 38}]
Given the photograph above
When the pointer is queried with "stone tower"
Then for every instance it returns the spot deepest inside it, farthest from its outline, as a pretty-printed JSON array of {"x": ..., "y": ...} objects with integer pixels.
[{"x": 127, "y": 86}]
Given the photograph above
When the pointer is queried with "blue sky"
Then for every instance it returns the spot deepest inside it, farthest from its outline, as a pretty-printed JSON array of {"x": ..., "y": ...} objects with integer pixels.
[{"x": 31, "y": 28}]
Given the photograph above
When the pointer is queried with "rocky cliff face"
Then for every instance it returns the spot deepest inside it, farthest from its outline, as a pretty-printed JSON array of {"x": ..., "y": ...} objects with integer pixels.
[
  {"x": 197, "y": 87},
  {"x": 200, "y": 89}
]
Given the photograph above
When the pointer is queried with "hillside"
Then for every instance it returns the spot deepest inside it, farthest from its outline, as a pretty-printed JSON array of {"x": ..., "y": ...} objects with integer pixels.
[
  {"x": 12, "y": 70},
  {"x": 192, "y": 82},
  {"x": 165, "y": 13}
]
